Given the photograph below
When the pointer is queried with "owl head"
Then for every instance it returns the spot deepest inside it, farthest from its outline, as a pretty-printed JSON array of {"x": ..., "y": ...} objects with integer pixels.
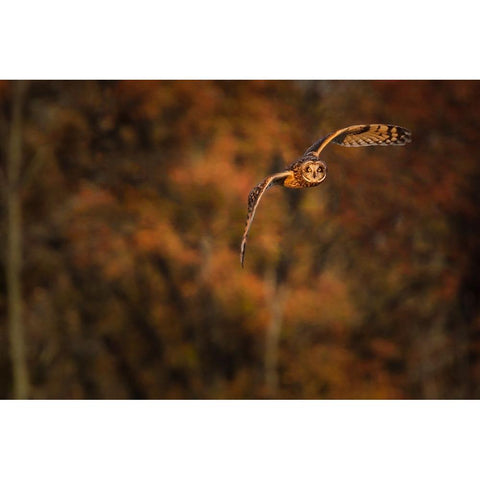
[{"x": 314, "y": 171}]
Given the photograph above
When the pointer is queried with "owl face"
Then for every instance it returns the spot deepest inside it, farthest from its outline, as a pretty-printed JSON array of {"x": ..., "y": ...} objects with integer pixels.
[{"x": 314, "y": 171}]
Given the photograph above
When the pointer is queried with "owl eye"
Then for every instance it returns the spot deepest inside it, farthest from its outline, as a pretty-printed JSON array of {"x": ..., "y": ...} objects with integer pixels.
[{"x": 308, "y": 169}]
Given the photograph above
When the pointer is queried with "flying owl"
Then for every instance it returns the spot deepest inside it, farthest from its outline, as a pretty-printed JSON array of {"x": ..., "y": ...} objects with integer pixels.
[{"x": 310, "y": 171}]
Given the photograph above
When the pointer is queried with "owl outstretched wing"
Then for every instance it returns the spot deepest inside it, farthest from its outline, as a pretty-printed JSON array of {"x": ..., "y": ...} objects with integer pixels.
[
  {"x": 364, "y": 136},
  {"x": 253, "y": 201}
]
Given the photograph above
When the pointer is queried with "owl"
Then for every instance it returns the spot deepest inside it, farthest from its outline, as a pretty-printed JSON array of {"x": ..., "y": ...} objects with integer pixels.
[{"x": 309, "y": 171}]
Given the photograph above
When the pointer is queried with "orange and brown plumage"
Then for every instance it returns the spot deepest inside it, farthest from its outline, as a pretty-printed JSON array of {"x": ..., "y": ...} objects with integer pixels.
[{"x": 309, "y": 171}]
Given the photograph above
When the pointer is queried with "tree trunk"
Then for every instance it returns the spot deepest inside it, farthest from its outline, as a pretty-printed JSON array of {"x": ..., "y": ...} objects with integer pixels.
[
  {"x": 275, "y": 299},
  {"x": 14, "y": 248}
]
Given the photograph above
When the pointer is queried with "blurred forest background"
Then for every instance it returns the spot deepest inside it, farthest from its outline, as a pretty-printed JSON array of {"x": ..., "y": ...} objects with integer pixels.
[{"x": 123, "y": 208}]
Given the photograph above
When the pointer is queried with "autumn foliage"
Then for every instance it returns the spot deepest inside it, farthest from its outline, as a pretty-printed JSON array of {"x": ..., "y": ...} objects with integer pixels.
[{"x": 366, "y": 287}]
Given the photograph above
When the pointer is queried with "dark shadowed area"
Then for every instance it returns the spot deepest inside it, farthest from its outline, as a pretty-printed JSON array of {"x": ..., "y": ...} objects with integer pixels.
[{"x": 123, "y": 207}]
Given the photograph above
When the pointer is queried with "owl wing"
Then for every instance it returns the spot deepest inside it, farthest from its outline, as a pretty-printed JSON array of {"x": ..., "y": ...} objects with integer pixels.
[
  {"x": 364, "y": 136},
  {"x": 253, "y": 201}
]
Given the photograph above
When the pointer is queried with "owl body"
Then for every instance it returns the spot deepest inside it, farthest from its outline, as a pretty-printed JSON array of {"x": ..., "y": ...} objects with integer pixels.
[{"x": 308, "y": 171}]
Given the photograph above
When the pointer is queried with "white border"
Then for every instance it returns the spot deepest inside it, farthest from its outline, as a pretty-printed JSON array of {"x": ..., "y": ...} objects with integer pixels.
[
  {"x": 240, "y": 439},
  {"x": 249, "y": 40}
]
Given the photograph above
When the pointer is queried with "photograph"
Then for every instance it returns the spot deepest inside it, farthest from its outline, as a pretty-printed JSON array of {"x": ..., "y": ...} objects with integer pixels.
[{"x": 163, "y": 239}]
